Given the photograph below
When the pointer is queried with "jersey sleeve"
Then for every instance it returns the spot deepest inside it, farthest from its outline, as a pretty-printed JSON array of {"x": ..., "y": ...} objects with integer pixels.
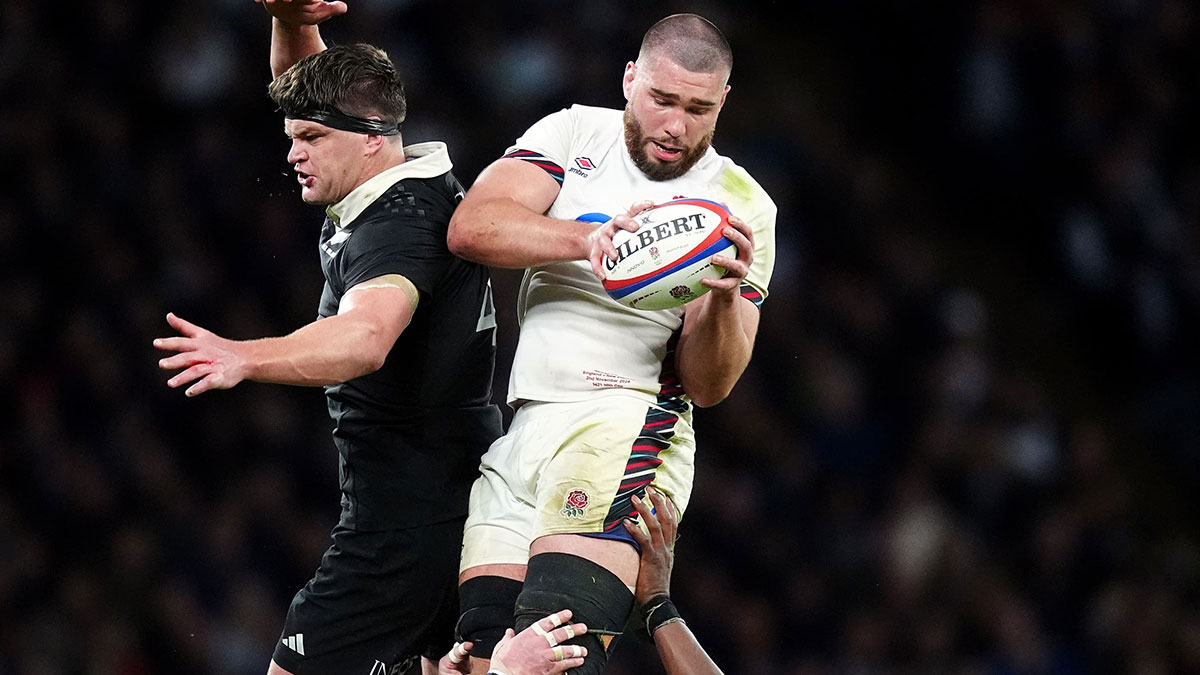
[
  {"x": 412, "y": 247},
  {"x": 748, "y": 201},
  {"x": 547, "y": 144}
]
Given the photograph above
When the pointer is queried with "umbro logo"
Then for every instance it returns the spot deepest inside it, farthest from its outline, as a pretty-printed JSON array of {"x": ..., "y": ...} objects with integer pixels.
[
  {"x": 582, "y": 166},
  {"x": 295, "y": 643}
]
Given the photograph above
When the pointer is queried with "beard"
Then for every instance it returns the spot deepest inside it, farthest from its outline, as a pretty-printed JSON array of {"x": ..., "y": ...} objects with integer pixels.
[{"x": 636, "y": 141}]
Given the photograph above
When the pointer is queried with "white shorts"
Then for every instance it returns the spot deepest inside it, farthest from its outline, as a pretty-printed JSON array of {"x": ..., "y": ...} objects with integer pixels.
[{"x": 572, "y": 468}]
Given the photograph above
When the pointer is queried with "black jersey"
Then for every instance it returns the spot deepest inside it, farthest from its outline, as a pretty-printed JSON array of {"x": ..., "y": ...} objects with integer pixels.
[{"x": 410, "y": 435}]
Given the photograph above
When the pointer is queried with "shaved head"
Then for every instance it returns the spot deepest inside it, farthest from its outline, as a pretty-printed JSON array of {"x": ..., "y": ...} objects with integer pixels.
[{"x": 689, "y": 40}]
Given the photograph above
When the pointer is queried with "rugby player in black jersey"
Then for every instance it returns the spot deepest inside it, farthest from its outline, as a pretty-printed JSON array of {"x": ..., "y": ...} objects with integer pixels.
[{"x": 405, "y": 348}]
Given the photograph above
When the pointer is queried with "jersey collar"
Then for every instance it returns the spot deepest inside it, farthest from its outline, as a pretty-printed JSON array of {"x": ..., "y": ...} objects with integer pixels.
[{"x": 422, "y": 160}]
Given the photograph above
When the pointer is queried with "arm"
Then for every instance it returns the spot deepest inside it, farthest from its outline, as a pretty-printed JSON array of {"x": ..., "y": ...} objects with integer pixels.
[
  {"x": 501, "y": 222},
  {"x": 719, "y": 327},
  {"x": 678, "y": 648},
  {"x": 294, "y": 32},
  {"x": 339, "y": 348}
]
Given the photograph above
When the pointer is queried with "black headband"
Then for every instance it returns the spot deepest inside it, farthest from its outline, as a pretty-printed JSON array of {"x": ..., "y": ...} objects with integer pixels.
[{"x": 340, "y": 120}]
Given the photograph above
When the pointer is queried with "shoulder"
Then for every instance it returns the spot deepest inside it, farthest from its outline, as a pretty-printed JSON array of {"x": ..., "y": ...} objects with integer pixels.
[
  {"x": 578, "y": 119},
  {"x": 745, "y": 196},
  {"x": 424, "y": 199},
  {"x": 596, "y": 114}
]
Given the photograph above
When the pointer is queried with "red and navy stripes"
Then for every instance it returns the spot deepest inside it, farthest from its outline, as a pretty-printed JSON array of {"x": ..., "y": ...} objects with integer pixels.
[
  {"x": 752, "y": 294},
  {"x": 643, "y": 462},
  {"x": 539, "y": 160},
  {"x": 670, "y": 387}
]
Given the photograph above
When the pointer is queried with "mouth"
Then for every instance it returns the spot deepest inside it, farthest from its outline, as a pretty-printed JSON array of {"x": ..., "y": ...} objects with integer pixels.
[
  {"x": 665, "y": 153},
  {"x": 305, "y": 180}
]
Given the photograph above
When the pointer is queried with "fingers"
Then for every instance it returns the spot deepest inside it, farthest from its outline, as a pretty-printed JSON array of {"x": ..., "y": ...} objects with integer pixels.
[
  {"x": 567, "y": 632},
  {"x": 640, "y": 206},
  {"x": 742, "y": 237},
  {"x": 547, "y": 624},
  {"x": 723, "y": 283},
  {"x": 194, "y": 373},
  {"x": 564, "y": 666},
  {"x": 508, "y": 635},
  {"x": 605, "y": 240},
  {"x": 565, "y": 652},
  {"x": 597, "y": 268},
  {"x": 666, "y": 518},
  {"x": 174, "y": 344},
  {"x": 459, "y": 651},
  {"x": 187, "y": 328},
  {"x": 624, "y": 222},
  {"x": 636, "y": 532},
  {"x": 645, "y": 510},
  {"x": 185, "y": 360}
]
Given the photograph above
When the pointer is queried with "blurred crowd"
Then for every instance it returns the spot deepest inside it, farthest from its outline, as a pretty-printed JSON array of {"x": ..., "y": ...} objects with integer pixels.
[{"x": 967, "y": 442}]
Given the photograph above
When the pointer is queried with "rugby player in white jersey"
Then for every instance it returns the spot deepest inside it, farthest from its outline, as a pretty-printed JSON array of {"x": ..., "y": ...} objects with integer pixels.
[{"x": 603, "y": 393}]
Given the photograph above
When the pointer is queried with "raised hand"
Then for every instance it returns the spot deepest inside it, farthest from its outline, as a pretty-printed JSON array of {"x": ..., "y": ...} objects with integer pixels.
[
  {"x": 654, "y": 575},
  {"x": 303, "y": 12}
]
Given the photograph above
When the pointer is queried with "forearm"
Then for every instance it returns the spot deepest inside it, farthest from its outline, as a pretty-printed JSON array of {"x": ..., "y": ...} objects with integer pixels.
[
  {"x": 327, "y": 351},
  {"x": 502, "y": 233},
  {"x": 715, "y": 350},
  {"x": 290, "y": 43},
  {"x": 681, "y": 653}
]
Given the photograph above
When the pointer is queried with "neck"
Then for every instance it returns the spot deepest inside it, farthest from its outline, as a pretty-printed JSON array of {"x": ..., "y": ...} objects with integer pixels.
[{"x": 391, "y": 154}]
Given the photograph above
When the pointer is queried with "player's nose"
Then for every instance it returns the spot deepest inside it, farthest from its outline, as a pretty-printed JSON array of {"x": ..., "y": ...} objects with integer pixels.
[
  {"x": 296, "y": 153},
  {"x": 675, "y": 124}
]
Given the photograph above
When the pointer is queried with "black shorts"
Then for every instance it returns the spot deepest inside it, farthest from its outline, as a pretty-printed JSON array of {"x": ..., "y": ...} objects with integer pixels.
[{"x": 378, "y": 600}]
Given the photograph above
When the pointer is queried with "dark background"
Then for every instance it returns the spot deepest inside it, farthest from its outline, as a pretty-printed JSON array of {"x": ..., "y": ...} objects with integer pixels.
[{"x": 967, "y": 442}]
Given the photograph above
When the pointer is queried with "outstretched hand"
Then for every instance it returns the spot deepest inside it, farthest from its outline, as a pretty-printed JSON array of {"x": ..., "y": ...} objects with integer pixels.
[
  {"x": 600, "y": 241},
  {"x": 303, "y": 12},
  {"x": 654, "y": 575},
  {"x": 216, "y": 362}
]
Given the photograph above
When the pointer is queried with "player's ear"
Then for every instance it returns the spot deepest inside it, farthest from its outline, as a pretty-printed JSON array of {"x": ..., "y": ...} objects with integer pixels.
[
  {"x": 627, "y": 80},
  {"x": 372, "y": 143}
]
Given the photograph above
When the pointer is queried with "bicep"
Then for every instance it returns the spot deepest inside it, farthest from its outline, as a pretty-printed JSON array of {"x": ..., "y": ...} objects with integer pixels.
[
  {"x": 386, "y": 303},
  {"x": 518, "y": 180}
]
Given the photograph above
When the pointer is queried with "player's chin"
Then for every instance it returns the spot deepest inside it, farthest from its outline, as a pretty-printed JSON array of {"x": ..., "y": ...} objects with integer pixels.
[{"x": 311, "y": 196}]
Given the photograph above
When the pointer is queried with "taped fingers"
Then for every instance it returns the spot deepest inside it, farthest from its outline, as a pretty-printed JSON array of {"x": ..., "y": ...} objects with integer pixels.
[
  {"x": 457, "y": 653},
  {"x": 564, "y": 652},
  {"x": 565, "y": 633},
  {"x": 548, "y": 624},
  {"x": 598, "y": 599}
]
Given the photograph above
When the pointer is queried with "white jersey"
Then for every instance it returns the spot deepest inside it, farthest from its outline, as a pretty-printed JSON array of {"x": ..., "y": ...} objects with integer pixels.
[{"x": 576, "y": 341}]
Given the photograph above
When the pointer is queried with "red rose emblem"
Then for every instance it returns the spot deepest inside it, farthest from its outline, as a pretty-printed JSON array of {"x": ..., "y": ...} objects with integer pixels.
[
  {"x": 574, "y": 504},
  {"x": 577, "y": 499}
]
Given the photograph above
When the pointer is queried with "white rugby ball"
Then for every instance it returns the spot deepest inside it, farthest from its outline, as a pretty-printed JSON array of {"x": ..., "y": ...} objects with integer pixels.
[{"x": 661, "y": 264}]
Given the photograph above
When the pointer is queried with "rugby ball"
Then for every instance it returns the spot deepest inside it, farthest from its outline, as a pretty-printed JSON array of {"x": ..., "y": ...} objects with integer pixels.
[{"x": 660, "y": 265}]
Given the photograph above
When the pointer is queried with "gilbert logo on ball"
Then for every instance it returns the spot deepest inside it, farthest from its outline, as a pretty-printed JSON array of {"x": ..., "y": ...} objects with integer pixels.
[{"x": 661, "y": 264}]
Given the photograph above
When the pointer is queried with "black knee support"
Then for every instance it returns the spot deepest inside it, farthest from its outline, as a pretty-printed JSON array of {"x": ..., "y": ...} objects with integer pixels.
[
  {"x": 485, "y": 611},
  {"x": 595, "y": 596}
]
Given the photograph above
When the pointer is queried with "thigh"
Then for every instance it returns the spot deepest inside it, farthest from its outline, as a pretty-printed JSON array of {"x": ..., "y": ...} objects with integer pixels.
[
  {"x": 572, "y": 468},
  {"x": 378, "y": 600},
  {"x": 617, "y": 446}
]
